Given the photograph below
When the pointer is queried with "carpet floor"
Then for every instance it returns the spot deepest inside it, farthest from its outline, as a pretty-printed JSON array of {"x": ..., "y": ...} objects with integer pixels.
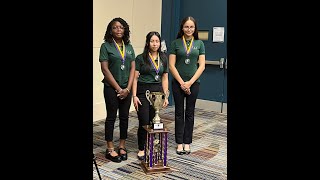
[{"x": 207, "y": 160}]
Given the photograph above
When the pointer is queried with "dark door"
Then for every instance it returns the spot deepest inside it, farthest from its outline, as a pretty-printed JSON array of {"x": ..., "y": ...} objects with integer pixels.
[{"x": 209, "y": 14}]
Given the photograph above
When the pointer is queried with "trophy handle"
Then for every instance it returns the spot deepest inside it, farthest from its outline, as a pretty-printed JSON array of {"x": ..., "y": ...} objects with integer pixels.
[{"x": 148, "y": 95}]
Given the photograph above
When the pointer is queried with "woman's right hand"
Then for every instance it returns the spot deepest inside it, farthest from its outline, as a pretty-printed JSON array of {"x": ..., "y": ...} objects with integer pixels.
[
  {"x": 122, "y": 94},
  {"x": 165, "y": 103},
  {"x": 186, "y": 87},
  {"x": 136, "y": 102}
]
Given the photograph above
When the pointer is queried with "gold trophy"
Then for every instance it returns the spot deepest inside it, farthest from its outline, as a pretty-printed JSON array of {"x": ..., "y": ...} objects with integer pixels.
[{"x": 156, "y": 99}]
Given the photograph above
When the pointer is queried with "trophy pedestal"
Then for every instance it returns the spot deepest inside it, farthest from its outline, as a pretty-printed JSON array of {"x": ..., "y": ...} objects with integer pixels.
[{"x": 155, "y": 160}]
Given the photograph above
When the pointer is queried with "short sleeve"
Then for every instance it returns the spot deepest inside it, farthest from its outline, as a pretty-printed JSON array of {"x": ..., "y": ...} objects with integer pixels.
[
  {"x": 173, "y": 47},
  {"x": 133, "y": 54},
  {"x": 202, "y": 48},
  {"x": 166, "y": 68},
  {"x": 103, "y": 56},
  {"x": 138, "y": 62}
]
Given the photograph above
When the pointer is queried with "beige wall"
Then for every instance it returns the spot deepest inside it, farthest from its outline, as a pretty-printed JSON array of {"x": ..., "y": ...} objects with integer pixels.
[{"x": 141, "y": 15}]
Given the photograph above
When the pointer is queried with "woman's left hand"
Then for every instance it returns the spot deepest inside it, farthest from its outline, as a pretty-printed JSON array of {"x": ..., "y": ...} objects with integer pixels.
[
  {"x": 123, "y": 94},
  {"x": 165, "y": 103},
  {"x": 186, "y": 87}
]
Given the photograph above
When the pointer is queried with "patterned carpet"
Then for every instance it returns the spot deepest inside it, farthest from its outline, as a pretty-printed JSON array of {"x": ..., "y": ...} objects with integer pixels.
[{"x": 208, "y": 159}]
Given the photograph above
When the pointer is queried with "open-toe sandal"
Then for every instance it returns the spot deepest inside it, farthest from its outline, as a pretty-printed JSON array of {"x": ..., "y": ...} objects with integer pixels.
[
  {"x": 123, "y": 156},
  {"x": 108, "y": 155}
]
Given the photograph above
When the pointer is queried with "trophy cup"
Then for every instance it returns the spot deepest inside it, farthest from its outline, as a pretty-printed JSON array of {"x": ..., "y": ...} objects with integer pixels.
[
  {"x": 156, "y": 99},
  {"x": 155, "y": 156}
]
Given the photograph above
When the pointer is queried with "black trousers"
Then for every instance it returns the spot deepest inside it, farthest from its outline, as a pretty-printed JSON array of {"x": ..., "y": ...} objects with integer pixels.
[
  {"x": 113, "y": 103},
  {"x": 145, "y": 111},
  {"x": 184, "y": 118}
]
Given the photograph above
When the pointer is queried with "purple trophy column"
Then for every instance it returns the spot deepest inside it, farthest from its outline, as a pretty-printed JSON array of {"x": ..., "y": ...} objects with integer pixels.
[
  {"x": 161, "y": 146},
  {"x": 145, "y": 151},
  {"x": 165, "y": 149},
  {"x": 150, "y": 150}
]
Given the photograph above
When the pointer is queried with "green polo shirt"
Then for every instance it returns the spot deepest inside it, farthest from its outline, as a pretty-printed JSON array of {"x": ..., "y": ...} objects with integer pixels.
[
  {"x": 109, "y": 52},
  {"x": 187, "y": 71},
  {"x": 147, "y": 75}
]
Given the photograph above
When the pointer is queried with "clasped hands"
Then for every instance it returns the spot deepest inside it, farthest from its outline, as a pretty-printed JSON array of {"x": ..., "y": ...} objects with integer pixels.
[
  {"x": 122, "y": 93},
  {"x": 186, "y": 87}
]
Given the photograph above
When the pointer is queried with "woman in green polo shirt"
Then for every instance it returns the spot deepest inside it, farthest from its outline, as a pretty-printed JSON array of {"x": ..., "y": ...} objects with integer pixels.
[
  {"x": 151, "y": 74},
  {"x": 118, "y": 66},
  {"x": 186, "y": 63}
]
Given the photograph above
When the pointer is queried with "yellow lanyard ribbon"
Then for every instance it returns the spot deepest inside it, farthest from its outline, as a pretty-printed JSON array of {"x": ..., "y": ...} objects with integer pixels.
[
  {"x": 121, "y": 53},
  {"x": 187, "y": 48},
  {"x": 153, "y": 62}
]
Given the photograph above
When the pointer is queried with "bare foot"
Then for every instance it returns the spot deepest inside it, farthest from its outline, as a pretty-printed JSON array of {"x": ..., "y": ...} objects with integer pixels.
[
  {"x": 141, "y": 153},
  {"x": 179, "y": 147},
  {"x": 187, "y": 147},
  {"x": 112, "y": 152}
]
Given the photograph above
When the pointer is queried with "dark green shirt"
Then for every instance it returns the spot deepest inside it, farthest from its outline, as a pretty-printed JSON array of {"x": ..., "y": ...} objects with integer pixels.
[
  {"x": 186, "y": 71},
  {"x": 147, "y": 74},
  {"x": 109, "y": 52}
]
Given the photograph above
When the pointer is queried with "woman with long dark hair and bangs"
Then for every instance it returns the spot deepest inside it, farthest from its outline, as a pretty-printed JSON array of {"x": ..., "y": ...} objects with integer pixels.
[
  {"x": 151, "y": 74},
  {"x": 117, "y": 65},
  {"x": 186, "y": 63}
]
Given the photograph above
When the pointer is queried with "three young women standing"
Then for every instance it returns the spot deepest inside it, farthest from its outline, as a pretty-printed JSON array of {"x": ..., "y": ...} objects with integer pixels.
[{"x": 149, "y": 71}]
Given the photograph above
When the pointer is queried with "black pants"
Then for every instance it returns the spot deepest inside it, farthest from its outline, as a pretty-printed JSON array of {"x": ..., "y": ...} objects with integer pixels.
[
  {"x": 184, "y": 118},
  {"x": 113, "y": 103},
  {"x": 145, "y": 111}
]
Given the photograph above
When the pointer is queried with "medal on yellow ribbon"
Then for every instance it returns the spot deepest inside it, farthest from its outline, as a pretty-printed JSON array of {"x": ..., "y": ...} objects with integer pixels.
[
  {"x": 187, "y": 49},
  {"x": 156, "y": 66},
  {"x": 121, "y": 53}
]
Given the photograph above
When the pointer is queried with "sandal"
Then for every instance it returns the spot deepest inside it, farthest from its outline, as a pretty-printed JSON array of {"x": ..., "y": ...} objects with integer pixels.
[
  {"x": 180, "y": 152},
  {"x": 123, "y": 156},
  {"x": 141, "y": 158},
  {"x": 187, "y": 151},
  {"x": 112, "y": 158}
]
